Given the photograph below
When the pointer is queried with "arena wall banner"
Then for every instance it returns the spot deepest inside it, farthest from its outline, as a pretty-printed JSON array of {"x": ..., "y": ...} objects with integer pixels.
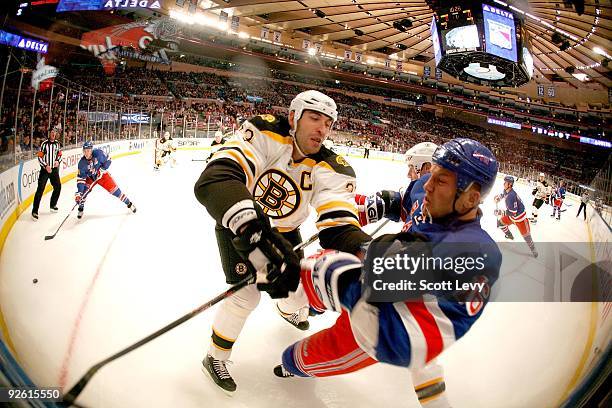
[{"x": 136, "y": 35}]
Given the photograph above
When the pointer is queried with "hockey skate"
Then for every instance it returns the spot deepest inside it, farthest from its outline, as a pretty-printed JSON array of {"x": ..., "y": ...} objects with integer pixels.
[
  {"x": 80, "y": 213},
  {"x": 35, "y": 216},
  {"x": 280, "y": 371},
  {"x": 508, "y": 235},
  {"x": 218, "y": 373},
  {"x": 54, "y": 209},
  {"x": 132, "y": 207},
  {"x": 298, "y": 319}
]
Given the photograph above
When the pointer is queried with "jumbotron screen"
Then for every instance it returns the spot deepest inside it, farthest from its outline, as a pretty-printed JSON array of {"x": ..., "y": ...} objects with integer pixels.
[
  {"x": 460, "y": 39},
  {"x": 81, "y": 5},
  {"x": 500, "y": 33}
]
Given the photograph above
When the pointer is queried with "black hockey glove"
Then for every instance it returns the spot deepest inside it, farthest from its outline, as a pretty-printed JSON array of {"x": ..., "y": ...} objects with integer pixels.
[{"x": 271, "y": 255}]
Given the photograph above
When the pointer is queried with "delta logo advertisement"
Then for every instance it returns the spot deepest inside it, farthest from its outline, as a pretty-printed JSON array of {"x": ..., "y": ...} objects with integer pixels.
[{"x": 76, "y": 5}]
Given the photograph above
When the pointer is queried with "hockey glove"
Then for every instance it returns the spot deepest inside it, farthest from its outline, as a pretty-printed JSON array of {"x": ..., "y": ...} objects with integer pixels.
[
  {"x": 497, "y": 212},
  {"x": 370, "y": 208},
  {"x": 534, "y": 191},
  {"x": 271, "y": 255},
  {"x": 374, "y": 208},
  {"x": 325, "y": 275}
]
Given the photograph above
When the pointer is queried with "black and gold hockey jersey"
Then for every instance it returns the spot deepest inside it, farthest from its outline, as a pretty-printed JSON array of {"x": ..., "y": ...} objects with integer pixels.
[{"x": 259, "y": 157}]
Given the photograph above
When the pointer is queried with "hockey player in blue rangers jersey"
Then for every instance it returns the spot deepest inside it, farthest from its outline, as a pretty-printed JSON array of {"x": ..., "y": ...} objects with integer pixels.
[
  {"x": 93, "y": 167},
  {"x": 428, "y": 380},
  {"x": 557, "y": 199},
  {"x": 396, "y": 205},
  {"x": 414, "y": 332},
  {"x": 514, "y": 214}
]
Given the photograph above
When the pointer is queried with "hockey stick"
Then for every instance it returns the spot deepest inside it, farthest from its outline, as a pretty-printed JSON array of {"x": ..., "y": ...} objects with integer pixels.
[
  {"x": 380, "y": 227},
  {"x": 316, "y": 236},
  {"x": 76, "y": 390},
  {"x": 48, "y": 237}
]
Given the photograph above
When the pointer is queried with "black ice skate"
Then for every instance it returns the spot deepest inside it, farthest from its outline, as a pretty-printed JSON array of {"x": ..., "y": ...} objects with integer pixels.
[
  {"x": 80, "y": 213},
  {"x": 280, "y": 371},
  {"x": 508, "y": 235},
  {"x": 54, "y": 209},
  {"x": 132, "y": 207},
  {"x": 298, "y": 319},
  {"x": 219, "y": 374},
  {"x": 35, "y": 216}
]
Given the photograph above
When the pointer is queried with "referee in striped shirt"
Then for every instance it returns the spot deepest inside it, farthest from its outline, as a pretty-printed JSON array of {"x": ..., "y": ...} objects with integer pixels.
[{"x": 49, "y": 158}]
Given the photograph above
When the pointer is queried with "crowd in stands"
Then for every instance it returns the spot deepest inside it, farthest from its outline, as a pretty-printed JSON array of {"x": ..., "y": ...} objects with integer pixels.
[{"x": 223, "y": 100}]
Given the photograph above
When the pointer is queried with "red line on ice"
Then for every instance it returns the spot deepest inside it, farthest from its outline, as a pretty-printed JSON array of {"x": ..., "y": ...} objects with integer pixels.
[{"x": 63, "y": 375}]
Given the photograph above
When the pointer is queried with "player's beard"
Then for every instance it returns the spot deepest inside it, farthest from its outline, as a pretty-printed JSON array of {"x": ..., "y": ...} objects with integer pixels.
[{"x": 308, "y": 150}]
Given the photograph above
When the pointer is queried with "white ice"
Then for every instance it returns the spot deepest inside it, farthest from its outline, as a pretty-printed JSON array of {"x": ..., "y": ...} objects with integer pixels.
[{"x": 113, "y": 277}]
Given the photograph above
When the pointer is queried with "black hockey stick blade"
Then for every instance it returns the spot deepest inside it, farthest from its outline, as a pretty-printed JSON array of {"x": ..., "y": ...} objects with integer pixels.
[{"x": 48, "y": 237}]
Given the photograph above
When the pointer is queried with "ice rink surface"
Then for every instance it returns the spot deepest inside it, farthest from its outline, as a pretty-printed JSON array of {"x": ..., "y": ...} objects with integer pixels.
[{"x": 112, "y": 278}]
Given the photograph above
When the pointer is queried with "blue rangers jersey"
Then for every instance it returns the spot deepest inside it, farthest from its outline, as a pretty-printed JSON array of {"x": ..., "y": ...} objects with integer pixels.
[
  {"x": 514, "y": 204},
  {"x": 412, "y": 199},
  {"x": 411, "y": 196},
  {"x": 91, "y": 168},
  {"x": 560, "y": 193},
  {"x": 414, "y": 332}
]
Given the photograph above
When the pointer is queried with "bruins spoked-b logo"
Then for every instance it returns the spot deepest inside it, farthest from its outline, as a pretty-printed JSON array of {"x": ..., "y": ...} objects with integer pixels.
[
  {"x": 241, "y": 268},
  {"x": 277, "y": 194}
]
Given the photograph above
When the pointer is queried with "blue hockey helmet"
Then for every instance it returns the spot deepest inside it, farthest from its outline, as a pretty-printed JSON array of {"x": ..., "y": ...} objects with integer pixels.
[
  {"x": 88, "y": 145},
  {"x": 509, "y": 179},
  {"x": 471, "y": 161}
]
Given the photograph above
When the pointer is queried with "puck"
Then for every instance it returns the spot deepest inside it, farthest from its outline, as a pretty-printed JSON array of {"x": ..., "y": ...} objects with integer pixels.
[{"x": 35, "y": 280}]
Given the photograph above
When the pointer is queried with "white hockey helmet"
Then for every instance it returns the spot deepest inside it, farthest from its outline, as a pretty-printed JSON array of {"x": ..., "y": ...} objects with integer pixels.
[
  {"x": 542, "y": 175},
  {"x": 314, "y": 101},
  {"x": 421, "y": 153}
]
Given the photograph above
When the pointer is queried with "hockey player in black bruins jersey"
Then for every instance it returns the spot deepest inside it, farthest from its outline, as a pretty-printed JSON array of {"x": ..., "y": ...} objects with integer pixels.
[{"x": 272, "y": 172}]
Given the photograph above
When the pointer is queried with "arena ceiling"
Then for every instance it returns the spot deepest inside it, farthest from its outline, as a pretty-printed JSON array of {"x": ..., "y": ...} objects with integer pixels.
[{"x": 368, "y": 26}]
